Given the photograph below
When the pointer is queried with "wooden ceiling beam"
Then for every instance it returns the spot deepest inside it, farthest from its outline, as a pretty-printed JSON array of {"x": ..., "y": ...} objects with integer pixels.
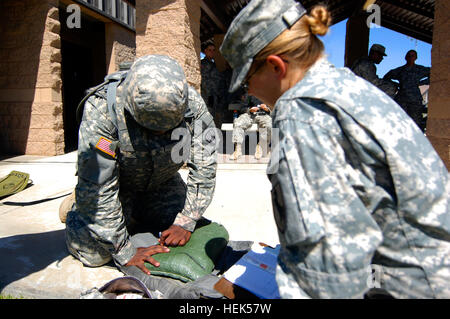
[
  {"x": 213, "y": 16},
  {"x": 406, "y": 29},
  {"x": 409, "y": 7}
]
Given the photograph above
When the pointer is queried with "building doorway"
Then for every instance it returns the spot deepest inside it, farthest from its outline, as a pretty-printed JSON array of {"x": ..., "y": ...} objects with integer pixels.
[
  {"x": 77, "y": 78},
  {"x": 83, "y": 66}
]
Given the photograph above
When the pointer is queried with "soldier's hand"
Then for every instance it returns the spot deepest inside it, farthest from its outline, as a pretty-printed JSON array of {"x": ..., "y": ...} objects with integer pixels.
[
  {"x": 264, "y": 107},
  {"x": 175, "y": 236},
  {"x": 143, "y": 254},
  {"x": 254, "y": 109}
]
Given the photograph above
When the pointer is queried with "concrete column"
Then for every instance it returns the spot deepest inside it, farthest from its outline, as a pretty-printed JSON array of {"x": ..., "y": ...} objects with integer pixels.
[
  {"x": 356, "y": 39},
  {"x": 438, "y": 124},
  {"x": 120, "y": 46},
  {"x": 171, "y": 27},
  {"x": 30, "y": 78},
  {"x": 219, "y": 59}
]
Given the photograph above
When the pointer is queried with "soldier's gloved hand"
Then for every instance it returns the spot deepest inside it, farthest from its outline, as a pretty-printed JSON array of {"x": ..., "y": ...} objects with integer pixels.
[
  {"x": 175, "y": 236},
  {"x": 143, "y": 254}
]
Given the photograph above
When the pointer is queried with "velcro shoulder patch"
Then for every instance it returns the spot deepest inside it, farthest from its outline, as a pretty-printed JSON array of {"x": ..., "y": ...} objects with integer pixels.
[{"x": 106, "y": 146}]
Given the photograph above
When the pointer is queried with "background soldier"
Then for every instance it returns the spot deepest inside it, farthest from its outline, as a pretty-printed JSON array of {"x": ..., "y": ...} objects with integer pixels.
[
  {"x": 365, "y": 68},
  {"x": 411, "y": 76},
  {"x": 128, "y": 164},
  {"x": 253, "y": 112},
  {"x": 211, "y": 81}
]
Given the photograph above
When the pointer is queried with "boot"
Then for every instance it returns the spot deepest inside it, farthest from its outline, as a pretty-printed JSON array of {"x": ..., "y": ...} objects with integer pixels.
[
  {"x": 66, "y": 206},
  {"x": 237, "y": 151},
  {"x": 258, "y": 151}
]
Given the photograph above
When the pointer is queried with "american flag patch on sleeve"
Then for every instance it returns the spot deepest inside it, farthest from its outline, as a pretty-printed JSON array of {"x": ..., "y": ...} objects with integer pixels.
[{"x": 104, "y": 145}]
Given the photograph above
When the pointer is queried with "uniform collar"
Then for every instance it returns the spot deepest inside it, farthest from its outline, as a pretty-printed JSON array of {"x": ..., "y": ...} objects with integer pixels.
[{"x": 318, "y": 73}]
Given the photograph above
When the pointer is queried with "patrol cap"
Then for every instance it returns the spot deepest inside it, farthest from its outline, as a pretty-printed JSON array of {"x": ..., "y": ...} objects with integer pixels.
[
  {"x": 256, "y": 25},
  {"x": 378, "y": 48},
  {"x": 155, "y": 92}
]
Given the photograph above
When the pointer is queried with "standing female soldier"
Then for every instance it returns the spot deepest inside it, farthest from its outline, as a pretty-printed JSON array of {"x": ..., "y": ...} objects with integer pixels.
[{"x": 357, "y": 187}]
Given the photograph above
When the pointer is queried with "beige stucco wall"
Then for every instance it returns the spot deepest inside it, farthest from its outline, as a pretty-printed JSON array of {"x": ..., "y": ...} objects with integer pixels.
[
  {"x": 171, "y": 27},
  {"x": 31, "y": 106},
  {"x": 120, "y": 45},
  {"x": 438, "y": 125},
  {"x": 30, "y": 78}
]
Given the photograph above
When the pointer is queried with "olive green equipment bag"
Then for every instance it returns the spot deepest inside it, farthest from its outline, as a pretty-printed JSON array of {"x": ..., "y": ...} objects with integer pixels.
[
  {"x": 195, "y": 259},
  {"x": 13, "y": 183}
]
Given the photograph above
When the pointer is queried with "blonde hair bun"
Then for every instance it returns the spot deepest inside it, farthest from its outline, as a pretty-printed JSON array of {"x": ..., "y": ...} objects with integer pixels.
[{"x": 319, "y": 20}]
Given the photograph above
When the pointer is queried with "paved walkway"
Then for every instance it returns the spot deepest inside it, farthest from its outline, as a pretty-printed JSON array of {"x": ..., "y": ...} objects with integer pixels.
[{"x": 34, "y": 260}]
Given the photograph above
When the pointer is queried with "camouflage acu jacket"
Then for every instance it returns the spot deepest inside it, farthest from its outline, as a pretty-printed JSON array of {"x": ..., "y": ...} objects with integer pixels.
[
  {"x": 211, "y": 81},
  {"x": 366, "y": 69},
  {"x": 410, "y": 79},
  {"x": 151, "y": 160},
  {"x": 356, "y": 187}
]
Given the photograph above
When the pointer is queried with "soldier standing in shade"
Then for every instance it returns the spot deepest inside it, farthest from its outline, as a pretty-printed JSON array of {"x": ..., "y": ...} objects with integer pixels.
[
  {"x": 128, "y": 162},
  {"x": 411, "y": 76},
  {"x": 365, "y": 68},
  {"x": 211, "y": 81},
  {"x": 356, "y": 186},
  {"x": 253, "y": 112}
]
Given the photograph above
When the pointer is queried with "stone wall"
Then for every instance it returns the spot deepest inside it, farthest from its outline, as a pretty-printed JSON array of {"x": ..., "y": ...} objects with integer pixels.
[
  {"x": 30, "y": 78},
  {"x": 120, "y": 46},
  {"x": 171, "y": 27},
  {"x": 438, "y": 125}
]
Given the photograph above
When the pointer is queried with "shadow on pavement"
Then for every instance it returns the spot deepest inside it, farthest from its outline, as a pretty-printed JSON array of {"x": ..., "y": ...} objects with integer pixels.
[{"x": 22, "y": 255}]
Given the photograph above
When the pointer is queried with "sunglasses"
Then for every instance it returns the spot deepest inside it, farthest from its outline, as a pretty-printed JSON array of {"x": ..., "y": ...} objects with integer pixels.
[
  {"x": 258, "y": 65},
  {"x": 251, "y": 74}
]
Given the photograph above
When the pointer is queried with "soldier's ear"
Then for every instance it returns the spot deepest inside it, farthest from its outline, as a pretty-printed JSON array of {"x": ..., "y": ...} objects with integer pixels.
[{"x": 277, "y": 65}]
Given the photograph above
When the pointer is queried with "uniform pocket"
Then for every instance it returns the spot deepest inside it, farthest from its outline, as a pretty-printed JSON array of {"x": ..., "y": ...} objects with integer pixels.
[
  {"x": 135, "y": 170},
  {"x": 296, "y": 214},
  {"x": 96, "y": 167},
  {"x": 164, "y": 166}
]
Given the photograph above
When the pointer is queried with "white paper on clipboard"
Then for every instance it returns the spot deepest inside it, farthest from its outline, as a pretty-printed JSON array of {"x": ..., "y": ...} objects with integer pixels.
[{"x": 255, "y": 271}]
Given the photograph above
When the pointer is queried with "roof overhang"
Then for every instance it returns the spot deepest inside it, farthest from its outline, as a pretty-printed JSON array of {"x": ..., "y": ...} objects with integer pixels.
[{"x": 414, "y": 18}]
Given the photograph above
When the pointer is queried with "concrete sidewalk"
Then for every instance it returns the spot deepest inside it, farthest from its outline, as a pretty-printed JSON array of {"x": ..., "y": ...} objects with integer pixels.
[{"x": 34, "y": 260}]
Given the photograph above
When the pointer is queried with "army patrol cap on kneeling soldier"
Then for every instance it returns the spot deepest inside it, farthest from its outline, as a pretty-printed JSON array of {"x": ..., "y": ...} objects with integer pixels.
[
  {"x": 155, "y": 92},
  {"x": 256, "y": 25}
]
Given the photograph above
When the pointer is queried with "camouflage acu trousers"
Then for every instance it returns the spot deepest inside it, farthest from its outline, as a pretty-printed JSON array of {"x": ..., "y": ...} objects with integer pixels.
[
  {"x": 245, "y": 121},
  {"x": 414, "y": 109},
  {"x": 151, "y": 211}
]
